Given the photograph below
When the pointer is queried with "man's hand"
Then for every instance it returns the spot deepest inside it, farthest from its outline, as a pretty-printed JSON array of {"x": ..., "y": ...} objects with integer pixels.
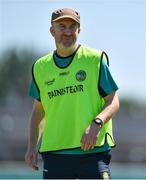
[
  {"x": 31, "y": 159},
  {"x": 37, "y": 115},
  {"x": 90, "y": 136}
]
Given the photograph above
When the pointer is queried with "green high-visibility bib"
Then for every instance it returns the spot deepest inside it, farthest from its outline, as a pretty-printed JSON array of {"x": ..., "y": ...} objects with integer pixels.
[{"x": 71, "y": 100}]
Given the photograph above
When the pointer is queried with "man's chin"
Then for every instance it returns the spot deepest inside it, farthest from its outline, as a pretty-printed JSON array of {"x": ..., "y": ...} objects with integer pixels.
[{"x": 67, "y": 47}]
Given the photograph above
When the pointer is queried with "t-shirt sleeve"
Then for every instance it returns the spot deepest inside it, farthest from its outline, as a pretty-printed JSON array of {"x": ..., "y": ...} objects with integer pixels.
[
  {"x": 33, "y": 90},
  {"x": 106, "y": 82}
]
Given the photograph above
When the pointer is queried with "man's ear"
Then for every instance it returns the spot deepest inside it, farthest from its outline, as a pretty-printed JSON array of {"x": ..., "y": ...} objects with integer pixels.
[
  {"x": 52, "y": 31},
  {"x": 79, "y": 30}
]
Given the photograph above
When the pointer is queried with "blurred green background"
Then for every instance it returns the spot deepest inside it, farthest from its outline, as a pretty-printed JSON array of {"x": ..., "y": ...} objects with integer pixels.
[{"x": 24, "y": 38}]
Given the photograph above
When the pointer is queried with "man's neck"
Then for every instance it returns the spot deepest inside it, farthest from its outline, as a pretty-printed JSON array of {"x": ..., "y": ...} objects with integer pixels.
[{"x": 67, "y": 52}]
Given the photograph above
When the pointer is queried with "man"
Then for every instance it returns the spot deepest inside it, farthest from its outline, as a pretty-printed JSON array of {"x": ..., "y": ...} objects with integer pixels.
[{"x": 76, "y": 96}]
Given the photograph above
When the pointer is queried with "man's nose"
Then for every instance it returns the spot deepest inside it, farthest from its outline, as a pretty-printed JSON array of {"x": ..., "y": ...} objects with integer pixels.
[{"x": 68, "y": 31}]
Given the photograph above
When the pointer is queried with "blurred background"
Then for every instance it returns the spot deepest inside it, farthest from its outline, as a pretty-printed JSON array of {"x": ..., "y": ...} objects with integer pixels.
[{"x": 117, "y": 27}]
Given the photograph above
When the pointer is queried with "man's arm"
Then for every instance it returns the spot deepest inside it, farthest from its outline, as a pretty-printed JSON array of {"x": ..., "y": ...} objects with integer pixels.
[
  {"x": 110, "y": 108},
  {"x": 36, "y": 116}
]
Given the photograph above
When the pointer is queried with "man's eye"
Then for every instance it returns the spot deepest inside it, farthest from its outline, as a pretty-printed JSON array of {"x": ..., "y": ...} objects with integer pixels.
[
  {"x": 73, "y": 27},
  {"x": 61, "y": 27}
]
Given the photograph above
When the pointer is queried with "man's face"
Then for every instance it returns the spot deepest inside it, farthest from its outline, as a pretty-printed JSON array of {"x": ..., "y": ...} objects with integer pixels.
[{"x": 65, "y": 31}]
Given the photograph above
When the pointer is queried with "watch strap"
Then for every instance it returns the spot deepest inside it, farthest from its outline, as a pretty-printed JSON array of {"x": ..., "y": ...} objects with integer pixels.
[{"x": 98, "y": 121}]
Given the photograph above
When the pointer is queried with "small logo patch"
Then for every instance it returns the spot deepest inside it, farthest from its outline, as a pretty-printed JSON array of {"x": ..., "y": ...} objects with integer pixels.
[
  {"x": 49, "y": 82},
  {"x": 81, "y": 75}
]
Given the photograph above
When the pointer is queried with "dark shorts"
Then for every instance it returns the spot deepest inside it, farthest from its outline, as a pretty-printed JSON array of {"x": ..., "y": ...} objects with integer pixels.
[{"x": 87, "y": 166}]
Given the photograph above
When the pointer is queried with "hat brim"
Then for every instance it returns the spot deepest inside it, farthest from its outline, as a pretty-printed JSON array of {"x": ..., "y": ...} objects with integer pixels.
[{"x": 64, "y": 17}]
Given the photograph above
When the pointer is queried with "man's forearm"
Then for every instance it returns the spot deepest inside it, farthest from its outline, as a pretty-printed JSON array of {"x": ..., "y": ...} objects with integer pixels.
[
  {"x": 36, "y": 117},
  {"x": 33, "y": 136},
  {"x": 110, "y": 108}
]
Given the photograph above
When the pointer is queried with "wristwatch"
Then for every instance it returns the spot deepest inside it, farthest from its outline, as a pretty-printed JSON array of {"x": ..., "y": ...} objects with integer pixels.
[{"x": 98, "y": 121}]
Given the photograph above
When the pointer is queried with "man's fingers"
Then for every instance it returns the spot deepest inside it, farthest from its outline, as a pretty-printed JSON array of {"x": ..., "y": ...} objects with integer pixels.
[
  {"x": 85, "y": 143},
  {"x": 83, "y": 139},
  {"x": 93, "y": 145},
  {"x": 35, "y": 161},
  {"x": 88, "y": 142},
  {"x": 87, "y": 147},
  {"x": 33, "y": 165},
  {"x": 94, "y": 142},
  {"x": 31, "y": 159},
  {"x": 89, "y": 139}
]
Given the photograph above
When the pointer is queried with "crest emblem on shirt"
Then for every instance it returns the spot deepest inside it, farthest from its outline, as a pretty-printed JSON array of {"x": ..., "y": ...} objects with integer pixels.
[
  {"x": 49, "y": 82},
  {"x": 81, "y": 75}
]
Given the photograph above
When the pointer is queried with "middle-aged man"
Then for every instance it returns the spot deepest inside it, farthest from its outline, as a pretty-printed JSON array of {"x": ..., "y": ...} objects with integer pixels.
[{"x": 74, "y": 92}]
